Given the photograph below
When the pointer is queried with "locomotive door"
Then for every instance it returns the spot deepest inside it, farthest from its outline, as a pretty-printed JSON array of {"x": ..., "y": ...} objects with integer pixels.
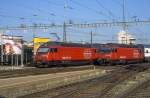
[{"x": 53, "y": 54}]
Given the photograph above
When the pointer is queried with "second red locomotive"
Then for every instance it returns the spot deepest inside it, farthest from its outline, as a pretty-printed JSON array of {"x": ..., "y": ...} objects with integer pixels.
[{"x": 116, "y": 54}]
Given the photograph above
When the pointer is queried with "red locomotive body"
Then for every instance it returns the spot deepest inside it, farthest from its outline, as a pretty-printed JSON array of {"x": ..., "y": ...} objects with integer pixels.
[
  {"x": 121, "y": 55},
  {"x": 66, "y": 53},
  {"x": 53, "y": 55}
]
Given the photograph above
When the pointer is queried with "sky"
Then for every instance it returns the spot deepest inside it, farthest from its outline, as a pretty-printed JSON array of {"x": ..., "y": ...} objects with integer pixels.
[{"x": 16, "y": 12}]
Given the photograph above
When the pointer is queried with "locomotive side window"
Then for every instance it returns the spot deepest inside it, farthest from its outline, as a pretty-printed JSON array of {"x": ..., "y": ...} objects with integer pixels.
[
  {"x": 43, "y": 49},
  {"x": 115, "y": 50},
  {"x": 53, "y": 50},
  {"x": 105, "y": 50},
  {"x": 50, "y": 50},
  {"x": 147, "y": 51},
  {"x": 96, "y": 51},
  {"x": 140, "y": 51}
]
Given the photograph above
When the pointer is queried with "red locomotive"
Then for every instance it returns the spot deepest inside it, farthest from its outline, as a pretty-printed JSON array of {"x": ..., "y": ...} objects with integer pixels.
[
  {"x": 120, "y": 55},
  {"x": 59, "y": 54},
  {"x": 63, "y": 53}
]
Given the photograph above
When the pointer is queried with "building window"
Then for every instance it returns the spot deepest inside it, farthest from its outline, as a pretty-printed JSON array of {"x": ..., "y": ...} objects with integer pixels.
[{"x": 147, "y": 51}]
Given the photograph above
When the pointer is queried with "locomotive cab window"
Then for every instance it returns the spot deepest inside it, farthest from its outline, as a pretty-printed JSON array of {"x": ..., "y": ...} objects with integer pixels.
[
  {"x": 43, "y": 49},
  {"x": 53, "y": 50}
]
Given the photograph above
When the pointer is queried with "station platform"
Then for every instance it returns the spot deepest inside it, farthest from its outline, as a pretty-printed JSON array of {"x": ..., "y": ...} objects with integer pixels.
[{"x": 16, "y": 87}]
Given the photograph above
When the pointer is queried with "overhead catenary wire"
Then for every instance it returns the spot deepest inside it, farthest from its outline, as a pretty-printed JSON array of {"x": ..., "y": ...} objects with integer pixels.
[
  {"x": 121, "y": 4},
  {"x": 35, "y": 10},
  {"x": 53, "y": 3},
  {"x": 90, "y": 9},
  {"x": 85, "y": 35},
  {"x": 78, "y": 32},
  {"x": 118, "y": 2},
  {"x": 109, "y": 11},
  {"x": 9, "y": 16},
  {"x": 18, "y": 17},
  {"x": 21, "y": 18},
  {"x": 40, "y": 10}
]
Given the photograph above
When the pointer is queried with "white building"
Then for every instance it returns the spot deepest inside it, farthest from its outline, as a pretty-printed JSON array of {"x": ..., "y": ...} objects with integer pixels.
[{"x": 125, "y": 38}]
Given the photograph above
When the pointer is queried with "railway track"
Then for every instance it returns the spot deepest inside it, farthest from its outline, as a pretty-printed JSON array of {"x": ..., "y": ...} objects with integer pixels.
[
  {"x": 141, "y": 92},
  {"x": 95, "y": 88},
  {"x": 38, "y": 71}
]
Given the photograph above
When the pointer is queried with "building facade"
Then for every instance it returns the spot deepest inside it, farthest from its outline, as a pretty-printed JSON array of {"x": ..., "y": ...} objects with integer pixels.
[{"x": 125, "y": 38}]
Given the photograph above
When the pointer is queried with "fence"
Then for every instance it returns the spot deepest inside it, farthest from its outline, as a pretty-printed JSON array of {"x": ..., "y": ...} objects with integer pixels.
[{"x": 15, "y": 59}]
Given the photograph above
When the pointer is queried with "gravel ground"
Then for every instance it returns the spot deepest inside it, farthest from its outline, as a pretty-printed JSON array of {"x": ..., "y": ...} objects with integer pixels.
[
  {"x": 95, "y": 88},
  {"x": 37, "y": 71},
  {"x": 141, "y": 92}
]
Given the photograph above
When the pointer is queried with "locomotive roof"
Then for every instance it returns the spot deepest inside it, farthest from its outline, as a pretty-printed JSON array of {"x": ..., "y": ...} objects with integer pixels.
[
  {"x": 66, "y": 44},
  {"x": 124, "y": 45},
  {"x": 96, "y": 45},
  {"x": 146, "y": 46}
]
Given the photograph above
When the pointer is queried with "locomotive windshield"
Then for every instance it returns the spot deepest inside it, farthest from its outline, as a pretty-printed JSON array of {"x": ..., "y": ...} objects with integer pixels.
[
  {"x": 105, "y": 50},
  {"x": 43, "y": 49}
]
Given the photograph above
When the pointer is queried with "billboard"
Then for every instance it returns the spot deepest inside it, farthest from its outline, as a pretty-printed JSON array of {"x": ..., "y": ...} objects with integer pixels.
[
  {"x": 38, "y": 41},
  {"x": 12, "y": 44}
]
